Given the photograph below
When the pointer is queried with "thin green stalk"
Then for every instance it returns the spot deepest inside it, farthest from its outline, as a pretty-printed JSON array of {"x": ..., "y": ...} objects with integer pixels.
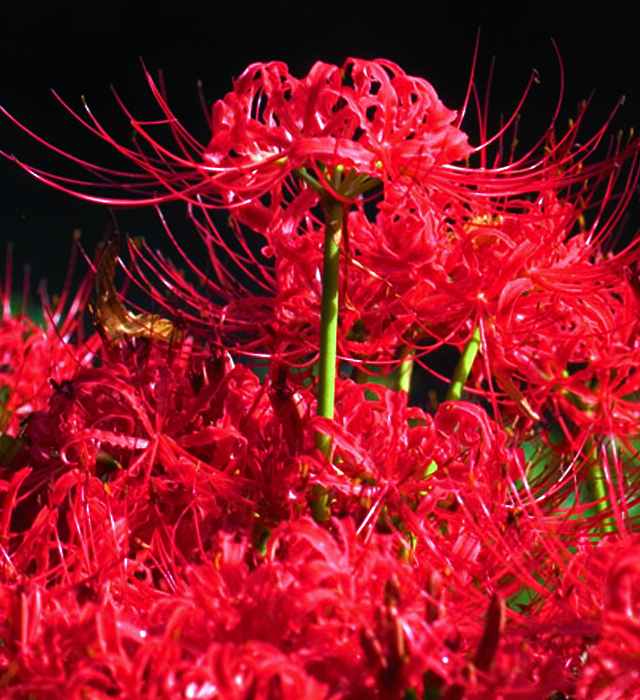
[
  {"x": 349, "y": 185},
  {"x": 597, "y": 488},
  {"x": 329, "y": 316},
  {"x": 405, "y": 370},
  {"x": 463, "y": 368},
  {"x": 599, "y": 494},
  {"x": 596, "y": 479}
]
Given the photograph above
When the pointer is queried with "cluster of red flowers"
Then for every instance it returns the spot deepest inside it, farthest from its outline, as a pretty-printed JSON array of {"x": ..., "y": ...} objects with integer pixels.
[{"x": 170, "y": 527}]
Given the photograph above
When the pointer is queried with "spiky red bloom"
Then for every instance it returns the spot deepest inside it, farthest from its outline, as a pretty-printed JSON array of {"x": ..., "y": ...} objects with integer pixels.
[
  {"x": 366, "y": 116},
  {"x": 35, "y": 358}
]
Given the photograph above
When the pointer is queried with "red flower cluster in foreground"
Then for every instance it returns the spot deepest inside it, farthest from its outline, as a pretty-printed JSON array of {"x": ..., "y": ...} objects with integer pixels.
[{"x": 170, "y": 527}]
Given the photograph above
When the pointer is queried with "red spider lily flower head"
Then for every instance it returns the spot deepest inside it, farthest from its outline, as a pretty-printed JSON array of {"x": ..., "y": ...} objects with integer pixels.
[
  {"x": 36, "y": 357},
  {"x": 575, "y": 350},
  {"x": 610, "y": 603},
  {"x": 365, "y": 116},
  {"x": 366, "y": 119},
  {"x": 457, "y": 246}
]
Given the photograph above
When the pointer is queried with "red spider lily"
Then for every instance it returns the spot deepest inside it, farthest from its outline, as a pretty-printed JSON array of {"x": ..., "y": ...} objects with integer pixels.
[
  {"x": 384, "y": 465},
  {"x": 34, "y": 357},
  {"x": 186, "y": 416},
  {"x": 611, "y": 673},
  {"x": 368, "y": 116},
  {"x": 433, "y": 263},
  {"x": 151, "y": 589},
  {"x": 558, "y": 329}
]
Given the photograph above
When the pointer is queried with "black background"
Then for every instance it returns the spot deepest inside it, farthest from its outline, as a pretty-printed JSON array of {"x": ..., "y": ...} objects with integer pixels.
[{"x": 83, "y": 48}]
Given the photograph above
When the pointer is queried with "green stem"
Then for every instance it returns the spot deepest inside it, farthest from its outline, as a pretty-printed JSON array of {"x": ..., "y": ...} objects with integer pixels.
[
  {"x": 329, "y": 316},
  {"x": 596, "y": 480},
  {"x": 405, "y": 369},
  {"x": 597, "y": 488},
  {"x": 463, "y": 368}
]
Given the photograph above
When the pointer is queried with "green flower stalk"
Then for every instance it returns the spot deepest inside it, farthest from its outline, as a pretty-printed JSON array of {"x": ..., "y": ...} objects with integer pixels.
[
  {"x": 463, "y": 368},
  {"x": 349, "y": 185},
  {"x": 405, "y": 370},
  {"x": 334, "y": 212}
]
